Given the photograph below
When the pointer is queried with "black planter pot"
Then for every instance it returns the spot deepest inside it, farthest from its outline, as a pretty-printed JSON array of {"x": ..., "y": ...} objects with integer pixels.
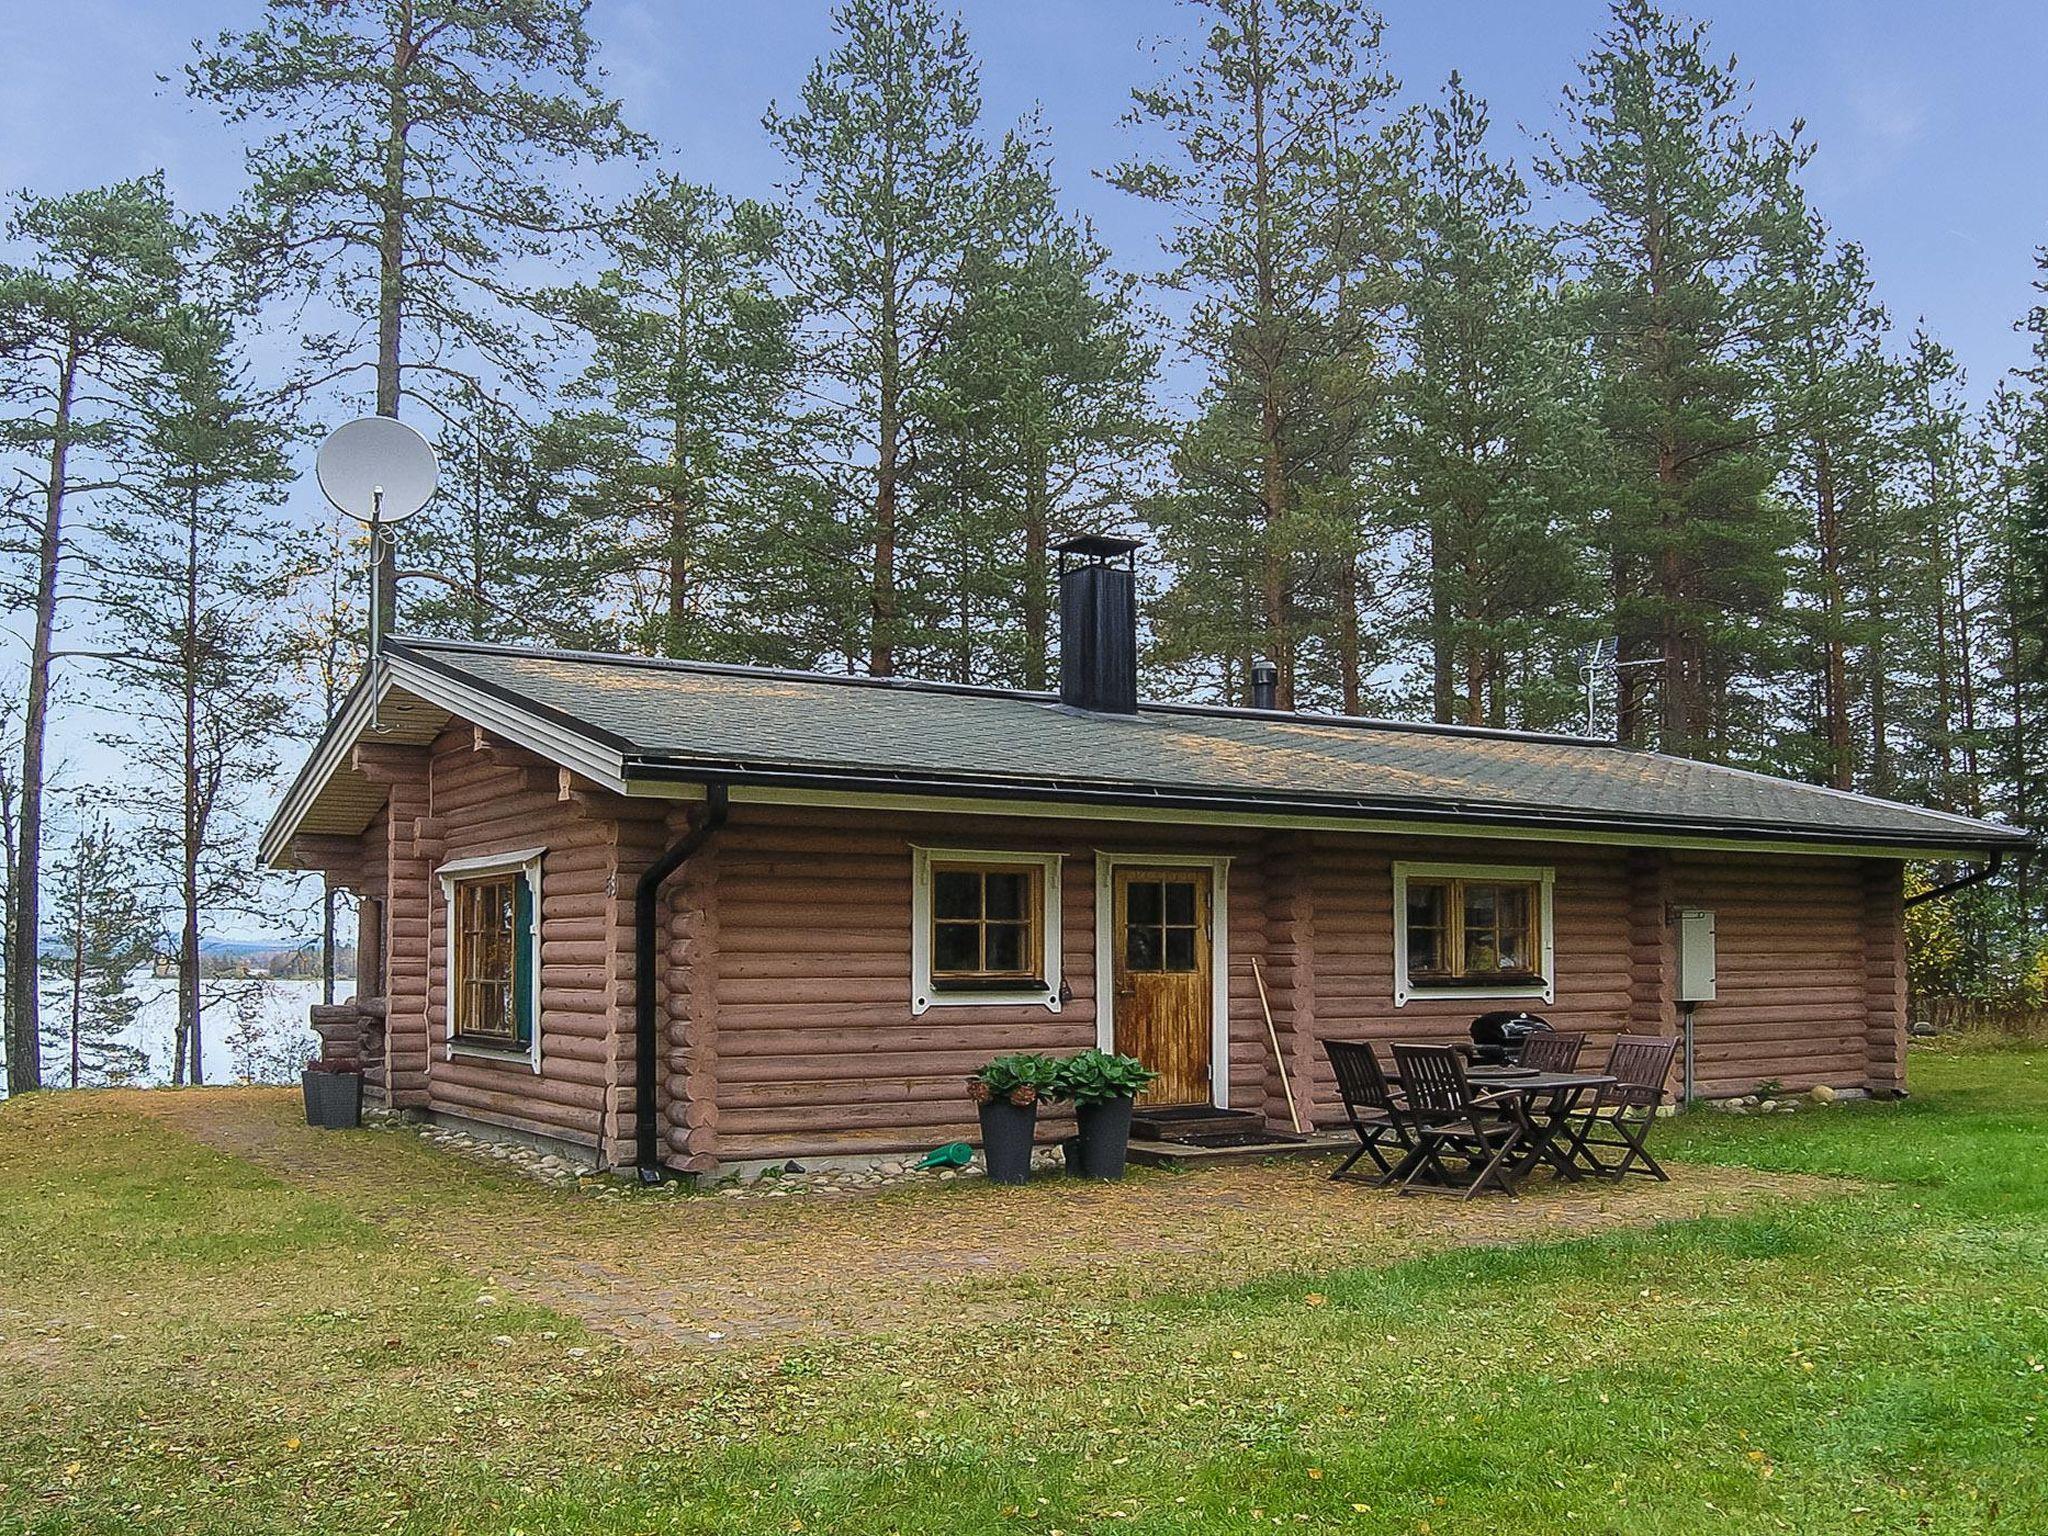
[
  {"x": 334, "y": 1100},
  {"x": 1007, "y": 1133},
  {"x": 1105, "y": 1138}
]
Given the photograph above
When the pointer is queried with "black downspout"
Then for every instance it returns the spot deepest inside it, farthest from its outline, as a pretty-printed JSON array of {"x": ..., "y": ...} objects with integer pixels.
[
  {"x": 1975, "y": 877},
  {"x": 646, "y": 952}
]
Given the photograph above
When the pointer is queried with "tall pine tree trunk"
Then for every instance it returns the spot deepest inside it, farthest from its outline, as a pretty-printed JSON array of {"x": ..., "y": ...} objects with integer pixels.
[
  {"x": 24, "y": 999},
  {"x": 1350, "y": 668},
  {"x": 1841, "y": 756},
  {"x": 882, "y": 597},
  {"x": 1442, "y": 649},
  {"x": 1037, "y": 599},
  {"x": 391, "y": 279}
]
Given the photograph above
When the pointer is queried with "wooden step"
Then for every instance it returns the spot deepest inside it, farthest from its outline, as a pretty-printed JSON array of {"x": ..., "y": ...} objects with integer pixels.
[{"x": 1195, "y": 1123}]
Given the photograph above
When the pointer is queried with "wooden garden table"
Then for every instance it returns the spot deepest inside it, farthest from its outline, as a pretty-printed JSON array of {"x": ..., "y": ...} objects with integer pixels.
[{"x": 1546, "y": 1101}]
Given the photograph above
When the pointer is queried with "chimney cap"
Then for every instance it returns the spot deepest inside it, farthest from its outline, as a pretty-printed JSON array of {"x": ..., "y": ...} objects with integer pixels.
[{"x": 1099, "y": 548}]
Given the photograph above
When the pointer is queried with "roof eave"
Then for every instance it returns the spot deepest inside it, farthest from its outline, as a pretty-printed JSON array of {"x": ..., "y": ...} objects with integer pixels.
[{"x": 651, "y": 770}]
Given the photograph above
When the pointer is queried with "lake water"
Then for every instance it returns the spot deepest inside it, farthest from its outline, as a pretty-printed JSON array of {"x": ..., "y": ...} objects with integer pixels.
[{"x": 250, "y": 1030}]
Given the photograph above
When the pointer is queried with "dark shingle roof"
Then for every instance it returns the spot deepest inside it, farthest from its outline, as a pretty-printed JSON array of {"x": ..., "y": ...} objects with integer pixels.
[{"x": 674, "y": 718}]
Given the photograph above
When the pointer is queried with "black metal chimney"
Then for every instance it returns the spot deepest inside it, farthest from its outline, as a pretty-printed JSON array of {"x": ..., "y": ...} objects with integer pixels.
[
  {"x": 1099, "y": 623},
  {"x": 1265, "y": 685}
]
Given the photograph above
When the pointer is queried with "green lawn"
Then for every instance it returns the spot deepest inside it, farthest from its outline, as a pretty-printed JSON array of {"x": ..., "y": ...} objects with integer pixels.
[{"x": 191, "y": 1345}]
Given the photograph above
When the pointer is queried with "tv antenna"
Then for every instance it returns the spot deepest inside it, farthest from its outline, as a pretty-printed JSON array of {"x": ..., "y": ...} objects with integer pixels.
[
  {"x": 1601, "y": 657},
  {"x": 379, "y": 471}
]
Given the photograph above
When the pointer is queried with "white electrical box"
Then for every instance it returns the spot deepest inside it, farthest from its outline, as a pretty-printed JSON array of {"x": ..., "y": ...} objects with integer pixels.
[{"x": 1695, "y": 955}]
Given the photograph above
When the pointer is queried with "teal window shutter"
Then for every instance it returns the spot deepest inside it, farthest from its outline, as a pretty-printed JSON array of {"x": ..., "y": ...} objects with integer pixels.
[{"x": 523, "y": 1002}]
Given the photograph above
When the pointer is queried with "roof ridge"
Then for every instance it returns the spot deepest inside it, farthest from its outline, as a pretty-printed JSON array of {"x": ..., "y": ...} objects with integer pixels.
[{"x": 991, "y": 691}]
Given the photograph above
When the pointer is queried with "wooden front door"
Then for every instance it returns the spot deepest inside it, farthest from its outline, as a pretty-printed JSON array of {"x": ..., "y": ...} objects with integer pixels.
[{"x": 1161, "y": 952}]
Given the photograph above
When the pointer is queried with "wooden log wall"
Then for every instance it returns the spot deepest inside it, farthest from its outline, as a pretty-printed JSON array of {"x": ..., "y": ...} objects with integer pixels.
[
  {"x": 785, "y": 1007},
  {"x": 409, "y": 861},
  {"x": 1884, "y": 971},
  {"x": 491, "y": 798},
  {"x": 1354, "y": 925},
  {"x": 797, "y": 962},
  {"x": 371, "y": 893},
  {"x": 1794, "y": 992}
]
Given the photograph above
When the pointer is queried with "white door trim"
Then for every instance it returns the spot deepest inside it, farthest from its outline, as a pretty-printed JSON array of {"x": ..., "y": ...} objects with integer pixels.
[{"x": 1106, "y": 865}]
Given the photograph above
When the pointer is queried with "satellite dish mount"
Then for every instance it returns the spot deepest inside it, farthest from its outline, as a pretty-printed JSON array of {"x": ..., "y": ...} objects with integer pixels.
[{"x": 379, "y": 471}]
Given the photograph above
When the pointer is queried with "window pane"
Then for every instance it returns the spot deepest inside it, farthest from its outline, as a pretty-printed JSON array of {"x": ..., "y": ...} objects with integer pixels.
[
  {"x": 1481, "y": 955},
  {"x": 1180, "y": 949},
  {"x": 1144, "y": 901},
  {"x": 1425, "y": 906},
  {"x": 1480, "y": 905},
  {"x": 1422, "y": 949},
  {"x": 1142, "y": 947},
  {"x": 1180, "y": 901},
  {"x": 956, "y": 893},
  {"x": 1008, "y": 893},
  {"x": 1005, "y": 947},
  {"x": 956, "y": 947}
]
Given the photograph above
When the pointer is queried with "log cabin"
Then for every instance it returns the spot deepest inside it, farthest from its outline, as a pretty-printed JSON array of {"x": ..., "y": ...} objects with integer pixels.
[{"x": 698, "y": 919}]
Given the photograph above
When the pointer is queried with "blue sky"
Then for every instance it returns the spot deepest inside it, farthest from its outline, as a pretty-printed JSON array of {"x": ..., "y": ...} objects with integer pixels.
[{"x": 1932, "y": 118}]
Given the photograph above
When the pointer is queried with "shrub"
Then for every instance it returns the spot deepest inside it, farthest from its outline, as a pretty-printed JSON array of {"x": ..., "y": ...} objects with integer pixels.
[
  {"x": 1097, "y": 1077},
  {"x": 1022, "y": 1079}
]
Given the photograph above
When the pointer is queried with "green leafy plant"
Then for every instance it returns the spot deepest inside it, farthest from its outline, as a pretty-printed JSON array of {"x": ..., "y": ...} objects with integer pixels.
[
  {"x": 1098, "y": 1077},
  {"x": 1022, "y": 1079}
]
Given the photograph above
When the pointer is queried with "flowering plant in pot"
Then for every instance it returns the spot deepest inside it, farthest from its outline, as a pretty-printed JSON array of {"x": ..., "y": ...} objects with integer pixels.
[
  {"x": 334, "y": 1094},
  {"x": 1103, "y": 1089},
  {"x": 1006, "y": 1092}
]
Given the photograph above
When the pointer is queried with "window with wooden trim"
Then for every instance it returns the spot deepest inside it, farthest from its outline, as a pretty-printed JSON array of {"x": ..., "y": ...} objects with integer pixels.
[
  {"x": 1472, "y": 930},
  {"x": 493, "y": 954},
  {"x": 985, "y": 921},
  {"x": 985, "y": 928}
]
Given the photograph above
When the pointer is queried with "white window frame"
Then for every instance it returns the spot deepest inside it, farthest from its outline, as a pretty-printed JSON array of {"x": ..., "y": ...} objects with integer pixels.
[
  {"x": 923, "y": 994},
  {"x": 1541, "y": 875},
  {"x": 1107, "y": 938},
  {"x": 525, "y": 862}
]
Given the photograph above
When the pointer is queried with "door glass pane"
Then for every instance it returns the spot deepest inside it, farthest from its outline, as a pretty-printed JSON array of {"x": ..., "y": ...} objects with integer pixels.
[
  {"x": 1180, "y": 949},
  {"x": 1143, "y": 901},
  {"x": 956, "y": 947},
  {"x": 1142, "y": 947},
  {"x": 1006, "y": 894},
  {"x": 1005, "y": 947},
  {"x": 956, "y": 893},
  {"x": 1180, "y": 901}
]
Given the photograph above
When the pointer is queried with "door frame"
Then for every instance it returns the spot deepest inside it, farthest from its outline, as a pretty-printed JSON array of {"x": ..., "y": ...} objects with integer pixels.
[{"x": 1106, "y": 866}]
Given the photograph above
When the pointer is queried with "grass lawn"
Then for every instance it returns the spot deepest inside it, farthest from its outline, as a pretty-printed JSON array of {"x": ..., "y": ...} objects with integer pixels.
[{"x": 189, "y": 1343}]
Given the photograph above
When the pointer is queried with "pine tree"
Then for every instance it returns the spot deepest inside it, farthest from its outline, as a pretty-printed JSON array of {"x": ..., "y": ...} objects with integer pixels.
[
  {"x": 1691, "y": 209},
  {"x": 1834, "y": 406},
  {"x": 102, "y": 931},
  {"x": 889, "y": 196},
  {"x": 188, "y": 582},
  {"x": 80, "y": 323},
  {"x": 1040, "y": 425},
  {"x": 688, "y": 428},
  {"x": 418, "y": 160},
  {"x": 1492, "y": 431},
  {"x": 1281, "y": 175}
]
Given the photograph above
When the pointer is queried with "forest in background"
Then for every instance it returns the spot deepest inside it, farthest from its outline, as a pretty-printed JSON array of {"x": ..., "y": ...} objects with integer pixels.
[{"x": 1438, "y": 451}]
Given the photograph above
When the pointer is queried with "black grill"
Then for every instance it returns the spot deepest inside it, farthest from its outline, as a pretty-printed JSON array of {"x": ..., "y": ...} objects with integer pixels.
[{"x": 1497, "y": 1037}]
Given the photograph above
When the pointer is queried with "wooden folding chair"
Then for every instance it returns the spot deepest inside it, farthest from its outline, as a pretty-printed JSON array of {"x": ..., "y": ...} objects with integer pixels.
[
  {"x": 1370, "y": 1103},
  {"x": 1553, "y": 1050},
  {"x": 1451, "y": 1119},
  {"x": 1624, "y": 1111}
]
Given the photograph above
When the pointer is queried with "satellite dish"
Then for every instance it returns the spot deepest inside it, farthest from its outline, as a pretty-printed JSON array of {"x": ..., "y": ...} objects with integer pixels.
[{"x": 376, "y": 469}]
